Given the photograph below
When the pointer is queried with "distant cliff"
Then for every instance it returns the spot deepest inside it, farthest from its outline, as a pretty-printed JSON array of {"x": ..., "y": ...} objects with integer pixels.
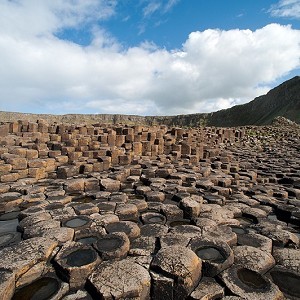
[{"x": 283, "y": 100}]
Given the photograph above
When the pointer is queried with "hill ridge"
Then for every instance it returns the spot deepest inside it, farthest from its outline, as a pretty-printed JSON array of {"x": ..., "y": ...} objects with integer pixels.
[{"x": 283, "y": 100}]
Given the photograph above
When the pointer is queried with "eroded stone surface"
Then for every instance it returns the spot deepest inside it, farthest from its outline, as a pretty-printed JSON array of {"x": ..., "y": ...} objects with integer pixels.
[
  {"x": 288, "y": 258},
  {"x": 207, "y": 288},
  {"x": 120, "y": 280},
  {"x": 253, "y": 258},
  {"x": 167, "y": 186},
  {"x": 180, "y": 263},
  {"x": 20, "y": 258},
  {"x": 7, "y": 284},
  {"x": 249, "y": 284}
]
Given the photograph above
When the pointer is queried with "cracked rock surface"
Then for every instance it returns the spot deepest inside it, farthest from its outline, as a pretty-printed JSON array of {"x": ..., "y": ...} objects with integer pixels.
[{"x": 149, "y": 212}]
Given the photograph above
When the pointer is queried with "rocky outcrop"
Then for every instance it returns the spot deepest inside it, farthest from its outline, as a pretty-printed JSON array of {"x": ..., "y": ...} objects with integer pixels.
[{"x": 149, "y": 212}]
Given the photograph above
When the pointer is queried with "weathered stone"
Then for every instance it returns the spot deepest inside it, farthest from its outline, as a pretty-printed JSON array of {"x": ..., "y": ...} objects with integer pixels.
[
  {"x": 143, "y": 246},
  {"x": 250, "y": 285},
  {"x": 155, "y": 230},
  {"x": 78, "y": 295},
  {"x": 172, "y": 212},
  {"x": 103, "y": 220},
  {"x": 153, "y": 218},
  {"x": 34, "y": 219},
  {"x": 32, "y": 274},
  {"x": 171, "y": 239},
  {"x": 120, "y": 280},
  {"x": 7, "y": 284},
  {"x": 189, "y": 231},
  {"x": 180, "y": 264},
  {"x": 85, "y": 209},
  {"x": 130, "y": 228},
  {"x": 113, "y": 246},
  {"x": 162, "y": 286},
  {"x": 76, "y": 262},
  {"x": 39, "y": 229},
  {"x": 288, "y": 258},
  {"x": 48, "y": 286},
  {"x": 74, "y": 185},
  {"x": 255, "y": 240},
  {"x": 216, "y": 255},
  {"x": 155, "y": 196},
  {"x": 20, "y": 258},
  {"x": 253, "y": 259},
  {"x": 207, "y": 289},
  {"x": 126, "y": 211},
  {"x": 10, "y": 200},
  {"x": 287, "y": 281},
  {"x": 205, "y": 224},
  {"x": 191, "y": 206},
  {"x": 110, "y": 185},
  {"x": 223, "y": 233}
]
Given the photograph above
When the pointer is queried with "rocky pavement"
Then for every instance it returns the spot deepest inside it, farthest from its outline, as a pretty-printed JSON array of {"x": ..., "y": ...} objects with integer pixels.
[{"x": 119, "y": 212}]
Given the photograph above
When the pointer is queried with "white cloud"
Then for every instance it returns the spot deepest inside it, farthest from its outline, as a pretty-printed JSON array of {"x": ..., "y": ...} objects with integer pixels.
[
  {"x": 154, "y": 6},
  {"x": 170, "y": 4},
  {"x": 34, "y": 17},
  {"x": 213, "y": 70},
  {"x": 286, "y": 8},
  {"x": 151, "y": 8}
]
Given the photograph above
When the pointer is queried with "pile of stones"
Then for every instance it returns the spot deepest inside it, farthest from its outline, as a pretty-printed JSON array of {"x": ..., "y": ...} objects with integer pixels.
[{"x": 120, "y": 212}]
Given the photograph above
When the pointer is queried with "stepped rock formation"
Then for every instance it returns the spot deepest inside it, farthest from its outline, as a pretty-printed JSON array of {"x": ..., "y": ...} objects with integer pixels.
[
  {"x": 283, "y": 100},
  {"x": 149, "y": 212}
]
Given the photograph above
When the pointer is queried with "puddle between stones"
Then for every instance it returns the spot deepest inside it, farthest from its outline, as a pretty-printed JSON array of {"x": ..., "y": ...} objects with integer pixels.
[
  {"x": 9, "y": 225},
  {"x": 245, "y": 221},
  {"x": 81, "y": 257},
  {"x": 153, "y": 218},
  {"x": 179, "y": 222},
  {"x": 252, "y": 279},
  {"x": 109, "y": 243},
  {"x": 156, "y": 219},
  {"x": 272, "y": 217},
  {"x": 9, "y": 216},
  {"x": 76, "y": 222},
  {"x": 210, "y": 253},
  {"x": 9, "y": 238},
  {"x": 88, "y": 240},
  {"x": 41, "y": 289},
  {"x": 238, "y": 230},
  {"x": 288, "y": 282}
]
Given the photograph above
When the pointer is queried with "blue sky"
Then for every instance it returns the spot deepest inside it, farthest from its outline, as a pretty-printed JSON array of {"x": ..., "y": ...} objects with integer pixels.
[
  {"x": 169, "y": 25},
  {"x": 144, "y": 57}
]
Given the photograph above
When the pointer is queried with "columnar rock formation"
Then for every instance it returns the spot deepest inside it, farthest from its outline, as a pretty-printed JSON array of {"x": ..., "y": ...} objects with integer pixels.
[{"x": 149, "y": 212}]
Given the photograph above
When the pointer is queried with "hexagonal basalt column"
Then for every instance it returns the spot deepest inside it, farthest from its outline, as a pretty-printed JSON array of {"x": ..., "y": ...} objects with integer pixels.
[
  {"x": 75, "y": 262},
  {"x": 253, "y": 258},
  {"x": 46, "y": 287},
  {"x": 123, "y": 279},
  {"x": 113, "y": 246},
  {"x": 153, "y": 218},
  {"x": 288, "y": 281},
  {"x": 77, "y": 222},
  {"x": 131, "y": 229},
  {"x": 180, "y": 265},
  {"x": 216, "y": 255},
  {"x": 250, "y": 285}
]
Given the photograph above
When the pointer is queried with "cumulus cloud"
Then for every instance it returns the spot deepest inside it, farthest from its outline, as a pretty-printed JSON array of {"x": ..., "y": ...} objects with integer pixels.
[
  {"x": 286, "y": 8},
  {"x": 33, "y": 17},
  {"x": 214, "y": 69}
]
